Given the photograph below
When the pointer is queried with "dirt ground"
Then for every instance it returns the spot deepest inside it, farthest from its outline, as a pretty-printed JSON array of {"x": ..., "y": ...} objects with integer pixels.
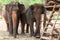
[{"x": 4, "y": 35}]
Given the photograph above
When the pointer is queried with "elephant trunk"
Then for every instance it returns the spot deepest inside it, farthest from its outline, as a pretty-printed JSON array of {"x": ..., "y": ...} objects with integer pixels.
[{"x": 14, "y": 19}]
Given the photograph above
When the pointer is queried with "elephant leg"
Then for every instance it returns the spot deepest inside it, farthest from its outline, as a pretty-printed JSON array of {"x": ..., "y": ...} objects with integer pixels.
[
  {"x": 6, "y": 20},
  {"x": 27, "y": 28},
  {"x": 31, "y": 29},
  {"x": 17, "y": 26},
  {"x": 10, "y": 24},
  {"x": 14, "y": 19},
  {"x": 37, "y": 32},
  {"x": 8, "y": 27},
  {"x": 22, "y": 27}
]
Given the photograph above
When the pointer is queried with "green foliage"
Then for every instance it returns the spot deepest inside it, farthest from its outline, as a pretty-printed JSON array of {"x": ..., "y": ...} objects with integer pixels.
[
  {"x": 55, "y": 17},
  {"x": 0, "y": 17},
  {"x": 33, "y": 1},
  {"x": 26, "y": 2}
]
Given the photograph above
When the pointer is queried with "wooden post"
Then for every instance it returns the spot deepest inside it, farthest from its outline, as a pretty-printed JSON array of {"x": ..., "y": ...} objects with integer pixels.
[
  {"x": 51, "y": 38},
  {"x": 45, "y": 18}
]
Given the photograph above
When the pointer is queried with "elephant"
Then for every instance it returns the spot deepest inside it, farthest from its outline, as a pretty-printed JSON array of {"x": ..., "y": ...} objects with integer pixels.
[
  {"x": 23, "y": 19},
  {"x": 12, "y": 17},
  {"x": 33, "y": 14},
  {"x": 23, "y": 22}
]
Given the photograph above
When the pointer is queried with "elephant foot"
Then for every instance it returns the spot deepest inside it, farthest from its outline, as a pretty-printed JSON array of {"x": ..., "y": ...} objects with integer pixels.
[
  {"x": 37, "y": 35},
  {"x": 34, "y": 35},
  {"x": 7, "y": 30},
  {"x": 14, "y": 35},
  {"x": 22, "y": 33},
  {"x": 27, "y": 32},
  {"x": 17, "y": 33},
  {"x": 10, "y": 34},
  {"x": 31, "y": 34}
]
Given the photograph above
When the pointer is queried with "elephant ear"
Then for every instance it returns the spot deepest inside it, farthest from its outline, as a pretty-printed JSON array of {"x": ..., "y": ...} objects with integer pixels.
[
  {"x": 31, "y": 7},
  {"x": 8, "y": 7},
  {"x": 21, "y": 7},
  {"x": 43, "y": 10}
]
